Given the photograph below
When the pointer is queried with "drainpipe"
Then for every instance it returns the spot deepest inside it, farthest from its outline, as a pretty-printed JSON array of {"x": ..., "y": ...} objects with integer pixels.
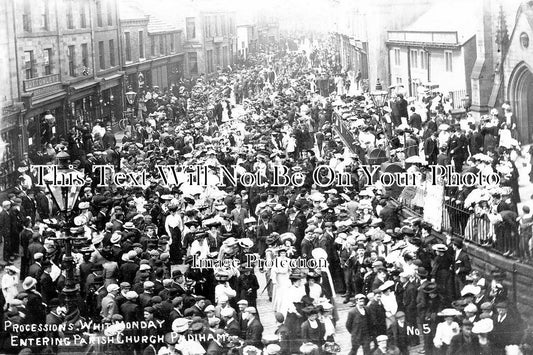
[
  {"x": 429, "y": 66},
  {"x": 19, "y": 93},
  {"x": 409, "y": 71},
  {"x": 119, "y": 100},
  {"x": 514, "y": 284},
  {"x": 388, "y": 63},
  {"x": 92, "y": 39},
  {"x": 66, "y": 103}
]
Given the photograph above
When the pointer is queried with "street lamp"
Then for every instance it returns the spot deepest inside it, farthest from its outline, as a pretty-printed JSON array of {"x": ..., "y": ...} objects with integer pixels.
[
  {"x": 379, "y": 98},
  {"x": 130, "y": 96},
  {"x": 64, "y": 196}
]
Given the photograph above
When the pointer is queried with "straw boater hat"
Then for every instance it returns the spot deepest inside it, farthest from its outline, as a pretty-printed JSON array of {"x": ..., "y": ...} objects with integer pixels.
[
  {"x": 246, "y": 243},
  {"x": 449, "y": 312},
  {"x": 29, "y": 283},
  {"x": 288, "y": 236}
]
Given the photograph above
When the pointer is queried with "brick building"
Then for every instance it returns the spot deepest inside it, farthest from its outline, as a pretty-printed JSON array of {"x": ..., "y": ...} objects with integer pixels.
[
  {"x": 68, "y": 66},
  {"x": 361, "y": 33},
  {"x": 11, "y": 132},
  {"x": 209, "y": 38},
  {"x": 439, "y": 48},
  {"x": 152, "y": 46}
]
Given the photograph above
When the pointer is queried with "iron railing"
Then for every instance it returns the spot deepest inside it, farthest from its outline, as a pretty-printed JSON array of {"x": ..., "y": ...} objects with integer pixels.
[
  {"x": 458, "y": 99},
  {"x": 503, "y": 237}
]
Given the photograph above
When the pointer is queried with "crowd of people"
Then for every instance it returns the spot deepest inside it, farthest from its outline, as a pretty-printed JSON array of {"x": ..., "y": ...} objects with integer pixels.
[{"x": 140, "y": 254}]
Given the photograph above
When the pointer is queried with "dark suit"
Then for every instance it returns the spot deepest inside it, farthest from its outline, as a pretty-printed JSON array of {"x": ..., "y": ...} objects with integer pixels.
[
  {"x": 36, "y": 312},
  {"x": 398, "y": 336},
  {"x": 389, "y": 216},
  {"x": 378, "y": 318},
  {"x": 280, "y": 222},
  {"x": 263, "y": 231},
  {"x": 359, "y": 327},
  {"x": 409, "y": 301},
  {"x": 217, "y": 112},
  {"x": 457, "y": 148},
  {"x": 307, "y": 248},
  {"x": 233, "y": 328},
  {"x": 48, "y": 288},
  {"x": 460, "y": 346},
  {"x": 128, "y": 271},
  {"x": 43, "y": 206},
  {"x": 506, "y": 332},
  {"x": 415, "y": 121},
  {"x": 131, "y": 312},
  {"x": 4, "y": 225},
  {"x": 431, "y": 150},
  {"x": 254, "y": 333},
  {"x": 310, "y": 335}
]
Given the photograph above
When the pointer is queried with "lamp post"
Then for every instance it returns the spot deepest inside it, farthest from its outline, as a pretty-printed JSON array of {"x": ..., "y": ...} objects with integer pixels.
[
  {"x": 379, "y": 98},
  {"x": 130, "y": 96},
  {"x": 64, "y": 197}
]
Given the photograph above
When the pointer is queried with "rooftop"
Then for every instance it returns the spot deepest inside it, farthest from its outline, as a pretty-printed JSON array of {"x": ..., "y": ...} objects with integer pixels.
[{"x": 445, "y": 17}]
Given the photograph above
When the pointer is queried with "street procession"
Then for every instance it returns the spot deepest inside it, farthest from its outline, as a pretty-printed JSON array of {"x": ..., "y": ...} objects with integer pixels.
[{"x": 198, "y": 180}]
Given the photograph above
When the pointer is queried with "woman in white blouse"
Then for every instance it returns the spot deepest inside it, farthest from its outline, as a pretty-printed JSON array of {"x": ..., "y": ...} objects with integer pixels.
[
  {"x": 446, "y": 330},
  {"x": 10, "y": 281}
]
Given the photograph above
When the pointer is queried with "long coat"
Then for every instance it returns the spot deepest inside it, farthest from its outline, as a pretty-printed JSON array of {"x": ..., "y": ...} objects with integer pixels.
[
  {"x": 358, "y": 325},
  {"x": 377, "y": 318},
  {"x": 263, "y": 231},
  {"x": 254, "y": 334}
]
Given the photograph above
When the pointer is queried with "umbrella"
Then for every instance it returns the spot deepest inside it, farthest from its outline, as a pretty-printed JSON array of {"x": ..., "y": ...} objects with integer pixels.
[
  {"x": 403, "y": 127},
  {"x": 415, "y": 159},
  {"x": 358, "y": 123}
]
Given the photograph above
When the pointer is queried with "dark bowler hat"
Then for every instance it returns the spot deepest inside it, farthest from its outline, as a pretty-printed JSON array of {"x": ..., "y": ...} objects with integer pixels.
[{"x": 430, "y": 288}]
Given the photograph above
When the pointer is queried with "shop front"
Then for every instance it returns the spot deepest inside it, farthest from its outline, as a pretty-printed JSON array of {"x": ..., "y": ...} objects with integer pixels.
[
  {"x": 45, "y": 124},
  {"x": 11, "y": 147},
  {"x": 111, "y": 104},
  {"x": 83, "y": 105}
]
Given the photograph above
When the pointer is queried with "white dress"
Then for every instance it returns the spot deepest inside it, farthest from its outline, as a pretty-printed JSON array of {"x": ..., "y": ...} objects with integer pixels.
[
  {"x": 9, "y": 287},
  {"x": 225, "y": 116},
  {"x": 281, "y": 284}
]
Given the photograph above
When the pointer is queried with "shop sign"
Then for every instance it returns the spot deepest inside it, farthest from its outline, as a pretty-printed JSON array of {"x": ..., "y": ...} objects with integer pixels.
[
  {"x": 47, "y": 90},
  {"x": 34, "y": 83}
]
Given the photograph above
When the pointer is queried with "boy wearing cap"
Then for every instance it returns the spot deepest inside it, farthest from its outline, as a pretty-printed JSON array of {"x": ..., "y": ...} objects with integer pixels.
[
  {"x": 254, "y": 328},
  {"x": 397, "y": 333},
  {"x": 383, "y": 347},
  {"x": 465, "y": 342},
  {"x": 109, "y": 304}
]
